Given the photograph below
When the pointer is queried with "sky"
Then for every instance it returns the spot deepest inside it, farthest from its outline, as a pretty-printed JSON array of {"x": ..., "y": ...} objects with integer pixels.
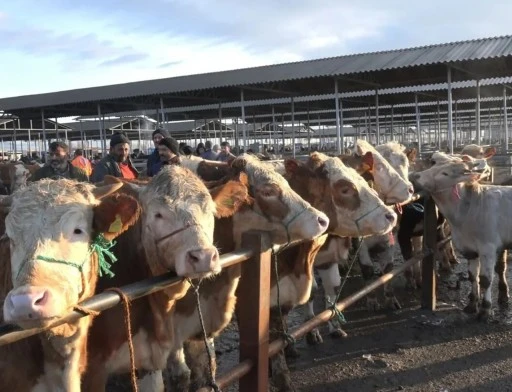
[{"x": 54, "y": 45}]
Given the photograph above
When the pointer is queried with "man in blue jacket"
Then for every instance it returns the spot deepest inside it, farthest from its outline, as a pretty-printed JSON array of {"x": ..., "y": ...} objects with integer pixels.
[{"x": 154, "y": 158}]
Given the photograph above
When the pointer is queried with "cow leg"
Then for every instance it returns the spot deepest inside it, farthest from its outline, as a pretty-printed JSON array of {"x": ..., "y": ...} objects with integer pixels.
[
  {"x": 198, "y": 360},
  {"x": 366, "y": 264},
  {"x": 313, "y": 337},
  {"x": 501, "y": 270},
  {"x": 487, "y": 264},
  {"x": 280, "y": 372},
  {"x": 177, "y": 374},
  {"x": 332, "y": 280},
  {"x": 473, "y": 276}
]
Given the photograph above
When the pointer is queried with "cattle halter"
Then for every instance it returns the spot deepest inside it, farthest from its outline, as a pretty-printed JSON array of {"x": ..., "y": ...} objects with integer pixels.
[{"x": 173, "y": 233}]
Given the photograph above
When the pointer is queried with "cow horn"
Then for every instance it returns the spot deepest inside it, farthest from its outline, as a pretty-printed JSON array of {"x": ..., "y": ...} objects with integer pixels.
[{"x": 105, "y": 190}]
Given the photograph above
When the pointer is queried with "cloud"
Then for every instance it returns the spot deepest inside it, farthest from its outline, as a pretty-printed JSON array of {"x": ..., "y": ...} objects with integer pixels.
[
  {"x": 170, "y": 64},
  {"x": 125, "y": 59}
]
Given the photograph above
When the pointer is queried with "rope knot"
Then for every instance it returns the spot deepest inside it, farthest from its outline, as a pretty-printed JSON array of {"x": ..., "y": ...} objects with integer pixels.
[{"x": 102, "y": 247}]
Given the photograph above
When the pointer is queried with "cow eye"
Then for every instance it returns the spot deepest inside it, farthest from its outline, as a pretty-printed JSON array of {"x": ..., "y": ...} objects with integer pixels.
[
  {"x": 158, "y": 215},
  {"x": 78, "y": 231},
  {"x": 444, "y": 173}
]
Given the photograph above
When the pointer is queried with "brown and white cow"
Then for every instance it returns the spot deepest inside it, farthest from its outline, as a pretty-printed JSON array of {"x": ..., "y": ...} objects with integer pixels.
[
  {"x": 49, "y": 269},
  {"x": 273, "y": 207},
  {"x": 478, "y": 232},
  {"x": 175, "y": 233}
]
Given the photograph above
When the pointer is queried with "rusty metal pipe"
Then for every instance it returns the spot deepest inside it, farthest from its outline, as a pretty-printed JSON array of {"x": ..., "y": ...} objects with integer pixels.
[{"x": 11, "y": 333}]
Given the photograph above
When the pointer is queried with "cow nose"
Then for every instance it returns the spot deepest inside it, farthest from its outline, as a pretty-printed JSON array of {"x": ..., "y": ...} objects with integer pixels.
[
  {"x": 203, "y": 260},
  {"x": 29, "y": 305},
  {"x": 323, "y": 222},
  {"x": 411, "y": 190},
  {"x": 390, "y": 217}
]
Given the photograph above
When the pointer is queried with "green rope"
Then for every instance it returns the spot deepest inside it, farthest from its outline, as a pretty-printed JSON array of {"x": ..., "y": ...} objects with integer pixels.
[
  {"x": 103, "y": 247},
  {"x": 332, "y": 305},
  {"x": 69, "y": 263}
]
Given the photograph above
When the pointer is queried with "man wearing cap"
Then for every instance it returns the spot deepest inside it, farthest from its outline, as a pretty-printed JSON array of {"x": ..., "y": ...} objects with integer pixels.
[
  {"x": 58, "y": 165},
  {"x": 168, "y": 150},
  {"x": 117, "y": 163},
  {"x": 154, "y": 158}
]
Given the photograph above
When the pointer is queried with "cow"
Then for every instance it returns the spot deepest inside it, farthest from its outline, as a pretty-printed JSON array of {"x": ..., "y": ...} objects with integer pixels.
[
  {"x": 478, "y": 232},
  {"x": 54, "y": 237},
  {"x": 273, "y": 207},
  {"x": 175, "y": 233},
  {"x": 14, "y": 175},
  {"x": 411, "y": 226}
]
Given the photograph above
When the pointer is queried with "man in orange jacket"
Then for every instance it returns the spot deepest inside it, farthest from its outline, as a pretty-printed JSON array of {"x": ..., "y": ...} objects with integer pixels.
[{"x": 82, "y": 162}]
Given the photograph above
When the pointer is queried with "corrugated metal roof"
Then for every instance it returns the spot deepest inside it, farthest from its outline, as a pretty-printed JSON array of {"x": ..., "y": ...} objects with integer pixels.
[{"x": 477, "y": 49}]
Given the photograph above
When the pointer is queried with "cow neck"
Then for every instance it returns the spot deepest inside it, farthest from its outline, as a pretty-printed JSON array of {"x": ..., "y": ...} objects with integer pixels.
[{"x": 449, "y": 200}]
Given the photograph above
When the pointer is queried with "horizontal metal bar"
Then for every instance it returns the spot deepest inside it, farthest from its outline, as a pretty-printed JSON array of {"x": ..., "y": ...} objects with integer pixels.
[
  {"x": 11, "y": 333},
  {"x": 243, "y": 368}
]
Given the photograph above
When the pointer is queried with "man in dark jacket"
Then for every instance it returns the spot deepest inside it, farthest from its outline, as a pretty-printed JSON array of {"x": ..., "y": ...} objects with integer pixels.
[
  {"x": 58, "y": 165},
  {"x": 117, "y": 163},
  {"x": 169, "y": 151},
  {"x": 154, "y": 158}
]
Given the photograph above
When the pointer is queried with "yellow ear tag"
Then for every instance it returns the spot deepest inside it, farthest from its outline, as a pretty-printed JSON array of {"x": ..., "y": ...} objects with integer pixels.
[
  {"x": 116, "y": 226},
  {"x": 229, "y": 202}
]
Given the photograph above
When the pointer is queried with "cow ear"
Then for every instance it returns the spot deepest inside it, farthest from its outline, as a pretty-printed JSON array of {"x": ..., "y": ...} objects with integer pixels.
[
  {"x": 291, "y": 166},
  {"x": 239, "y": 163},
  {"x": 115, "y": 214},
  {"x": 229, "y": 198},
  {"x": 466, "y": 158},
  {"x": 367, "y": 162},
  {"x": 489, "y": 152},
  {"x": 411, "y": 154}
]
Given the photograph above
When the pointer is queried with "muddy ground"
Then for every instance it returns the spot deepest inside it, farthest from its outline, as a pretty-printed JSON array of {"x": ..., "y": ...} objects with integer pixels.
[{"x": 406, "y": 350}]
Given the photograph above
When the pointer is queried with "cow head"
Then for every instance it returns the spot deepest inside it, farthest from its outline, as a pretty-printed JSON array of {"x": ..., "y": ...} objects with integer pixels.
[
  {"x": 391, "y": 187},
  {"x": 444, "y": 176},
  {"x": 277, "y": 209},
  {"x": 353, "y": 208},
  {"x": 54, "y": 261},
  {"x": 397, "y": 157},
  {"x": 177, "y": 221}
]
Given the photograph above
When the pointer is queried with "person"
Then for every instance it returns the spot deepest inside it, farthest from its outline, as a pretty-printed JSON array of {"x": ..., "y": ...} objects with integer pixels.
[
  {"x": 200, "y": 149},
  {"x": 154, "y": 158},
  {"x": 117, "y": 162},
  {"x": 225, "y": 152},
  {"x": 216, "y": 149},
  {"x": 208, "y": 153},
  {"x": 58, "y": 165},
  {"x": 82, "y": 162},
  {"x": 169, "y": 152}
]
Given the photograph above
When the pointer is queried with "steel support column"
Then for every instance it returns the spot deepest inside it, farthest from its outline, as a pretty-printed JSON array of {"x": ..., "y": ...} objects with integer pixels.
[
  {"x": 477, "y": 110},
  {"x": 338, "y": 120},
  {"x": 30, "y": 140},
  {"x": 450, "y": 125},
  {"x": 292, "y": 103},
  {"x": 162, "y": 110},
  {"x": 102, "y": 131},
  {"x": 505, "y": 117},
  {"x": 418, "y": 131},
  {"x": 220, "y": 121},
  {"x": 377, "y": 130},
  {"x": 392, "y": 123},
  {"x": 456, "y": 124},
  {"x": 244, "y": 128},
  {"x": 44, "y": 131}
]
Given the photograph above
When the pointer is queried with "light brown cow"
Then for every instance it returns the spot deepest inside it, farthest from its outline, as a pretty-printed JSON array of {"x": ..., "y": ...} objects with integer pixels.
[
  {"x": 14, "y": 175},
  {"x": 50, "y": 268},
  {"x": 175, "y": 232},
  {"x": 274, "y": 208}
]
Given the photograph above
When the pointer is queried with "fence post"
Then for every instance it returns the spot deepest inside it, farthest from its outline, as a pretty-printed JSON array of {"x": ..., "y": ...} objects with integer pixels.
[
  {"x": 428, "y": 267},
  {"x": 254, "y": 313}
]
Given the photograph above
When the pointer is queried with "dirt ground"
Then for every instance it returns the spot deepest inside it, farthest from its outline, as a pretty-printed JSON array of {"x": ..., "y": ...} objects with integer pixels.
[{"x": 406, "y": 350}]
